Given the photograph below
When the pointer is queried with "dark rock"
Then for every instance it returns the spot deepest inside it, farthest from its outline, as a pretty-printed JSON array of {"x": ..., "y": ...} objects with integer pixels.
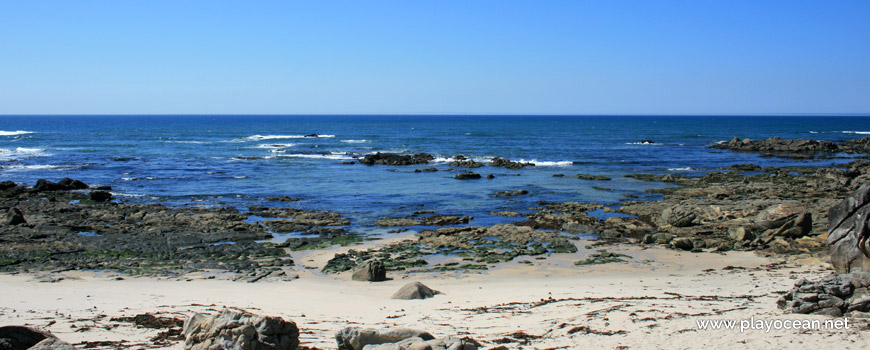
[
  {"x": 511, "y": 193},
  {"x": 833, "y": 295},
  {"x": 497, "y": 161},
  {"x": 5, "y": 185},
  {"x": 283, "y": 199},
  {"x": 24, "y": 337},
  {"x": 43, "y": 185},
  {"x": 396, "y": 159},
  {"x": 849, "y": 232},
  {"x": 14, "y": 217},
  {"x": 443, "y": 220},
  {"x": 746, "y": 167},
  {"x": 373, "y": 271},
  {"x": 466, "y": 163},
  {"x": 490, "y": 176},
  {"x": 71, "y": 184},
  {"x": 414, "y": 290},
  {"x": 683, "y": 243},
  {"x": 466, "y": 176},
  {"x": 776, "y": 145},
  {"x": 103, "y": 188},
  {"x": 593, "y": 177},
  {"x": 236, "y": 329},
  {"x": 100, "y": 196},
  {"x": 355, "y": 338},
  {"x": 348, "y": 162}
]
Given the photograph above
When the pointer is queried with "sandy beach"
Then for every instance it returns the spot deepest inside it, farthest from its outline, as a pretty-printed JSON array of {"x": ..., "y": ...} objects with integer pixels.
[{"x": 653, "y": 301}]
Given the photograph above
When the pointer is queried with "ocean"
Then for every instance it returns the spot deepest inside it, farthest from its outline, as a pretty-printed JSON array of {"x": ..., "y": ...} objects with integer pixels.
[{"x": 207, "y": 161}]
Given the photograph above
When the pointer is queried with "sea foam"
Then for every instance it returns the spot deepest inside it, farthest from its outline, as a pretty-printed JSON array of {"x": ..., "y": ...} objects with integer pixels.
[{"x": 14, "y": 133}]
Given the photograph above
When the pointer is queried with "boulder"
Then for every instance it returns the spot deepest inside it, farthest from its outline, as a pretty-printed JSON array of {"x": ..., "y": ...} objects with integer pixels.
[
  {"x": 415, "y": 290},
  {"x": 71, "y": 184},
  {"x": 14, "y": 217},
  {"x": 24, "y": 337},
  {"x": 783, "y": 220},
  {"x": 237, "y": 329},
  {"x": 497, "y": 161},
  {"x": 100, "y": 196},
  {"x": 373, "y": 271},
  {"x": 355, "y": 338},
  {"x": 684, "y": 243},
  {"x": 43, "y": 185},
  {"x": 678, "y": 216},
  {"x": 832, "y": 295}
]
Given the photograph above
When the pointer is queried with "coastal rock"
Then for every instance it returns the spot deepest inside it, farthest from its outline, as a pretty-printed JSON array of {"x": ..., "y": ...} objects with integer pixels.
[
  {"x": 14, "y": 217},
  {"x": 24, "y": 337},
  {"x": 236, "y": 329},
  {"x": 498, "y": 161},
  {"x": 466, "y": 176},
  {"x": 678, "y": 216},
  {"x": 390, "y": 222},
  {"x": 355, "y": 338},
  {"x": 849, "y": 232},
  {"x": 414, "y": 290},
  {"x": 100, "y": 196},
  {"x": 511, "y": 193},
  {"x": 832, "y": 295},
  {"x": 777, "y": 145},
  {"x": 416, "y": 343},
  {"x": 372, "y": 271},
  {"x": 683, "y": 243},
  {"x": 70, "y": 184},
  {"x": 467, "y": 163},
  {"x": 43, "y": 185},
  {"x": 396, "y": 159}
]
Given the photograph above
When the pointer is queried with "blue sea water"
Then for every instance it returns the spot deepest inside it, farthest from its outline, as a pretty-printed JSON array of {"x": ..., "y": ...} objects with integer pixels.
[{"x": 240, "y": 160}]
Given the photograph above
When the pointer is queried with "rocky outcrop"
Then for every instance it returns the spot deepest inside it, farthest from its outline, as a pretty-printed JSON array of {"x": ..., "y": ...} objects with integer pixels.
[
  {"x": 100, "y": 196},
  {"x": 466, "y": 176},
  {"x": 510, "y": 193},
  {"x": 833, "y": 295},
  {"x": 497, "y": 161},
  {"x": 776, "y": 145},
  {"x": 372, "y": 271},
  {"x": 849, "y": 232},
  {"x": 396, "y": 159},
  {"x": 13, "y": 217},
  {"x": 415, "y": 290},
  {"x": 678, "y": 216},
  {"x": 236, "y": 329},
  {"x": 24, "y": 337}
]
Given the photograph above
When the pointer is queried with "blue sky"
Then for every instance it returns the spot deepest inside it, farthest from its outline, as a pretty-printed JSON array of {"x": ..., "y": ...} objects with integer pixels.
[{"x": 434, "y": 57}]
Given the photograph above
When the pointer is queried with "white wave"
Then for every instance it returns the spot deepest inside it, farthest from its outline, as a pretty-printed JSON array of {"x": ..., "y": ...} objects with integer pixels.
[
  {"x": 813, "y": 132},
  {"x": 19, "y": 167},
  {"x": 857, "y": 132},
  {"x": 645, "y": 143},
  {"x": 341, "y": 156},
  {"x": 280, "y": 137},
  {"x": 9, "y": 154},
  {"x": 276, "y": 145},
  {"x": 14, "y": 133},
  {"x": 189, "y": 142},
  {"x": 240, "y": 177},
  {"x": 680, "y": 169},
  {"x": 355, "y": 141},
  {"x": 547, "y": 163},
  {"x": 484, "y": 160},
  {"x": 129, "y": 179}
]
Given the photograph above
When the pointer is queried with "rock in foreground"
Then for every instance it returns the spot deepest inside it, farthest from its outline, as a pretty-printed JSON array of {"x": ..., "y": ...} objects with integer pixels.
[
  {"x": 236, "y": 329},
  {"x": 372, "y": 271},
  {"x": 23, "y": 337},
  {"x": 834, "y": 295},
  {"x": 849, "y": 232}
]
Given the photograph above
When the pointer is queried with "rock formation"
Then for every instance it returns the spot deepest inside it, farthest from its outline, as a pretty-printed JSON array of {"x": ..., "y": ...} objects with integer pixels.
[
  {"x": 415, "y": 290},
  {"x": 849, "y": 232},
  {"x": 236, "y": 329}
]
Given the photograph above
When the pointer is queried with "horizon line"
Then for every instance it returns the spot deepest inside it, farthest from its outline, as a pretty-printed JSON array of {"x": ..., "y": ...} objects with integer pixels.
[{"x": 862, "y": 114}]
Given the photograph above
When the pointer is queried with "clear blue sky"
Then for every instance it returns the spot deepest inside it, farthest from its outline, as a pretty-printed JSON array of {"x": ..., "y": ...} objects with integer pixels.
[{"x": 434, "y": 57}]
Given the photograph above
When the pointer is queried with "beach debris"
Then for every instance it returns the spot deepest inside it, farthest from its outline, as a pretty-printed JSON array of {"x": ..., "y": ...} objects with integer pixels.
[
  {"x": 372, "y": 271},
  {"x": 848, "y": 236},
  {"x": 239, "y": 329},
  {"x": 415, "y": 290}
]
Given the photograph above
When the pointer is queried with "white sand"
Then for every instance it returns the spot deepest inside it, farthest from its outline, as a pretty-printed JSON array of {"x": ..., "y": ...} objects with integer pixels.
[{"x": 652, "y": 302}]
